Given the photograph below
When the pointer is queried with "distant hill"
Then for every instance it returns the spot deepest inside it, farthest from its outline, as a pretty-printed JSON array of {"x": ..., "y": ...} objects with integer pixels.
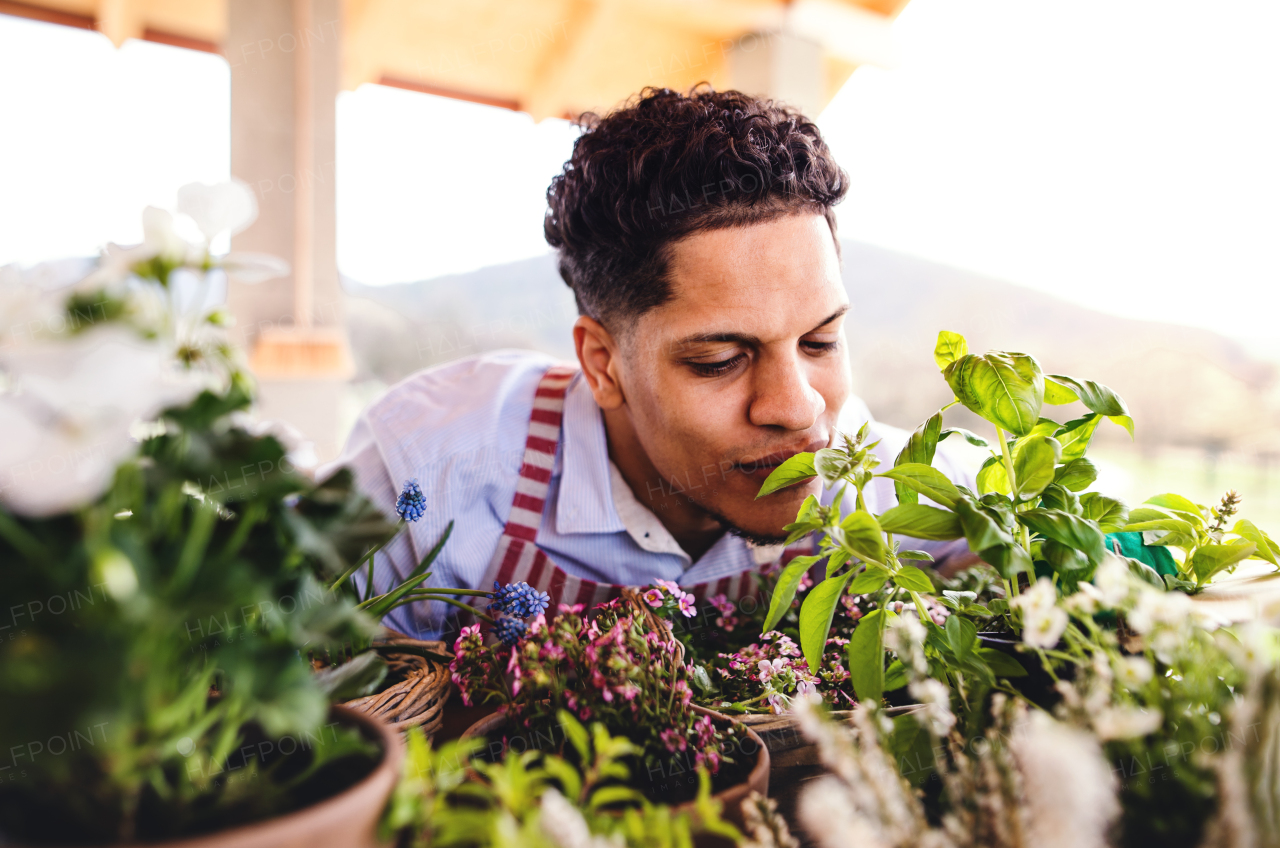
[{"x": 1185, "y": 386}]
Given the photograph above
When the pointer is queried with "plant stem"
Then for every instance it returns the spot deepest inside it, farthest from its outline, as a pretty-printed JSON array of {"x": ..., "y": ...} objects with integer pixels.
[{"x": 1013, "y": 483}]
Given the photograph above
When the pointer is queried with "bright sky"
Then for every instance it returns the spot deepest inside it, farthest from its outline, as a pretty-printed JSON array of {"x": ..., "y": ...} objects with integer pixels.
[{"x": 1120, "y": 154}]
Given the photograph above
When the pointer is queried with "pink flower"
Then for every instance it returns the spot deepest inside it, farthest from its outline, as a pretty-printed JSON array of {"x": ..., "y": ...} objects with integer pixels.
[
  {"x": 687, "y": 605},
  {"x": 673, "y": 588},
  {"x": 806, "y": 687},
  {"x": 653, "y": 598},
  {"x": 777, "y": 704},
  {"x": 722, "y": 604},
  {"x": 769, "y": 668},
  {"x": 674, "y": 740},
  {"x": 572, "y": 609}
]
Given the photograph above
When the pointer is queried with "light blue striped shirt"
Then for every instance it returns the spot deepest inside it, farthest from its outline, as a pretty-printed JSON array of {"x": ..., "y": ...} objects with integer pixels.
[{"x": 460, "y": 429}]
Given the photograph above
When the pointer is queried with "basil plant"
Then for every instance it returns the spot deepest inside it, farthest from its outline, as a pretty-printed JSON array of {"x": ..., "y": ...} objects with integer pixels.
[{"x": 1031, "y": 514}]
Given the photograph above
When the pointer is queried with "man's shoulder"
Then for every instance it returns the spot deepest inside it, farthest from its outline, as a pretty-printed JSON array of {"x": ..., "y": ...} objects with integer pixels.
[{"x": 481, "y": 401}]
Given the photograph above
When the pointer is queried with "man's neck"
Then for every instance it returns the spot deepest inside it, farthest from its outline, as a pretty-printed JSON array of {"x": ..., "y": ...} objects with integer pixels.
[{"x": 688, "y": 524}]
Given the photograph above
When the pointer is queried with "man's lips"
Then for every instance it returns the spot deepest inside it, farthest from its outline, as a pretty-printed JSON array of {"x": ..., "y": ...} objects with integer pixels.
[{"x": 761, "y": 467}]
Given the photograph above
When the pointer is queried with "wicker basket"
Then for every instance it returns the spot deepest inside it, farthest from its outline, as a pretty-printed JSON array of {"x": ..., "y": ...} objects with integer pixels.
[{"x": 418, "y": 691}]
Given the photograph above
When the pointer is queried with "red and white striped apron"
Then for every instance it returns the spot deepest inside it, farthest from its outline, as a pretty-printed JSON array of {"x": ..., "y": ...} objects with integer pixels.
[{"x": 518, "y": 558}]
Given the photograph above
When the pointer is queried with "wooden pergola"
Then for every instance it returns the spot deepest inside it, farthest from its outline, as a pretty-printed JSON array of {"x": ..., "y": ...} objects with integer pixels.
[{"x": 550, "y": 58}]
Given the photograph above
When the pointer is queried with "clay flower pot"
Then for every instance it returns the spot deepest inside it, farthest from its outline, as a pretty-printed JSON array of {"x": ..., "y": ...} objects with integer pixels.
[
  {"x": 346, "y": 820},
  {"x": 731, "y": 798}
]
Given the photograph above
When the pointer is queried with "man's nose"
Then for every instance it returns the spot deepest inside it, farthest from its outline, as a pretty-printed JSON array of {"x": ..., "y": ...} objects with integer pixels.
[{"x": 783, "y": 395}]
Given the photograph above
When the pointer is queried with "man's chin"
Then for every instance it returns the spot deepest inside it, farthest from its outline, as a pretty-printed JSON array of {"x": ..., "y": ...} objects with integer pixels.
[{"x": 754, "y": 531}]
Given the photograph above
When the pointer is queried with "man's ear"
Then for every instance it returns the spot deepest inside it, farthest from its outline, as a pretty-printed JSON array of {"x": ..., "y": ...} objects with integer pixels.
[{"x": 598, "y": 353}]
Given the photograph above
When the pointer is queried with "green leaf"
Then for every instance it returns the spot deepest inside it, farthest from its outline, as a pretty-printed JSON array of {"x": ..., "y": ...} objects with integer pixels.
[
  {"x": 1033, "y": 465},
  {"x": 962, "y": 635},
  {"x": 895, "y": 676},
  {"x": 1142, "y": 519},
  {"x": 1001, "y": 663},
  {"x": 993, "y": 477},
  {"x": 866, "y": 657},
  {"x": 837, "y": 561},
  {"x": 869, "y": 581},
  {"x": 1074, "y": 436},
  {"x": 1110, "y": 514},
  {"x": 862, "y": 537},
  {"x": 1055, "y": 496},
  {"x": 576, "y": 734},
  {"x": 1144, "y": 572},
  {"x": 1208, "y": 560},
  {"x": 1006, "y": 389},
  {"x": 815, "y": 617},
  {"x": 980, "y": 529},
  {"x": 1064, "y": 558},
  {"x": 949, "y": 348},
  {"x": 919, "y": 449},
  {"x": 1193, "y": 513},
  {"x": 1095, "y": 396},
  {"x": 1057, "y": 394},
  {"x": 969, "y": 436},
  {"x": 832, "y": 464},
  {"x": 1009, "y": 558},
  {"x": 921, "y": 556},
  {"x": 1071, "y": 531},
  {"x": 921, "y": 522},
  {"x": 913, "y": 579},
  {"x": 1267, "y": 548},
  {"x": 794, "y": 470},
  {"x": 926, "y": 480},
  {"x": 1076, "y": 475},
  {"x": 785, "y": 590},
  {"x": 1124, "y": 421}
]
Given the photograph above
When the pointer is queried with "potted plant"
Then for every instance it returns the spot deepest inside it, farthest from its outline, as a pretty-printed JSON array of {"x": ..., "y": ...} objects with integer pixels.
[
  {"x": 1162, "y": 717},
  {"x": 622, "y": 669},
  {"x": 159, "y": 554}
]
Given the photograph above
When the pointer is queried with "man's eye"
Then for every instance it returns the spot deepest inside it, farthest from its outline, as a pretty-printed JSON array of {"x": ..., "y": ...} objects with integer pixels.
[
  {"x": 819, "y": 347},
  {"x": 715, "y": 369}
]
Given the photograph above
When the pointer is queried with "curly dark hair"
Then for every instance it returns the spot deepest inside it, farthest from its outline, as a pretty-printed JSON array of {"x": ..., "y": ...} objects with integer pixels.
[{"x": 666, "y": 165}]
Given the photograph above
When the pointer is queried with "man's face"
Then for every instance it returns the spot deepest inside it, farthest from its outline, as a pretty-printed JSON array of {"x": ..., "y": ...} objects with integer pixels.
[{"x": 744, "y": 367}]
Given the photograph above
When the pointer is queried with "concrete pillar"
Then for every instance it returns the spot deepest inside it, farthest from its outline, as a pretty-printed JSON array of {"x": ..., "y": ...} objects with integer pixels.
[
  {"x": 285, "y": 63},
  {"x": 782, "y": 66}
]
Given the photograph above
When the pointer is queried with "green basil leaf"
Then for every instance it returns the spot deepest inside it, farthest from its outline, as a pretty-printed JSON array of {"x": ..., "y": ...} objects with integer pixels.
[
  {"x": 1110, "y": 514},
  {"x": 1009, "y": 558},
  {"x": 969, "y": 436},
  {"x": 1142, "y": 520},
  {"x": 1001, "y": 663},
  {"x": 922, "y": 556},
  {"x": 962, "y": 635},
  {"x": 1076, "y": 475},
  {"x": 1095, "y": 396},
  {"x": 794, "y": 470},
  {"x": 913, "y": 579},
  {"x": 1033, "y": 465},
  {"x": 919, "y": 449},
  {"x": 1071, "y": 531},
  {"x": 862, "y": 537},
  {"x": 869, "y": 581},
  {"x": 832, "y": 464},
  {"x": 784, "y": 592},
  {"x": 993, "y": 477},
  {"x": 1124, "y": 421},
  {"x": 921, "y": 522},
  {"x": 949, "y": 348},
  {"x": 895, "y": 677},
  {"x": 1074, "y": 436},
  {"x": 1208, "y": 560},
  {"x": 1006, "y": 389},
  {"x": 1064, "y": 558},
  {"x": 1055, "y": 496},
  {"x": 980, "y": 529},
  {"x": 1192, "y": 513},
  {"x": 1057, "y": 394},
  {"x": 866, "y": 657},
  {"x": 926, "y": 480},
  {"x": 1144, "y": 572},
  {"x": 1267, "y": 548},
  {"x": 815, "y": 618},
  {"x": 837, "y": 561}
]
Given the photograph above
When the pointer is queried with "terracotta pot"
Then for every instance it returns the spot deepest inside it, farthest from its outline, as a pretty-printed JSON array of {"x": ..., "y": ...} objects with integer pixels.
[
  {"x": 731, "y": 798},
  {"x": 346, "y": 820}
]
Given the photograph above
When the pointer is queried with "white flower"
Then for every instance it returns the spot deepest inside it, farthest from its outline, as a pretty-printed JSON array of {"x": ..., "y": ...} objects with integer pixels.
[
  {"x": 936, "y": 697},
  {"x": 1043, "y": 621},
  {"x": 65, "y": 418},
  {"x": 1068, "y": 786},
  {"x": 1155, "y": 608},
  {"x": 1113, "y": 581},
  {"x": 565, "y": 827},
  {"x": 253, "y": 267},
  {"x": 1134, "y": 671},
  {"x": 227, "y": 207},
  {"x": 905, "y": 637},
  {"x": 1125, "y": 723}
]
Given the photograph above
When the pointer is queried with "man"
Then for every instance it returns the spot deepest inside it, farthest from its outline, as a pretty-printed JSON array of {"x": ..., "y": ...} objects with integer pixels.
[{"x": 698, "y": 235}]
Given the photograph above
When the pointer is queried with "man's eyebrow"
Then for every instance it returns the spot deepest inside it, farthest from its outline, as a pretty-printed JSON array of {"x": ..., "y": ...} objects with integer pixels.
[{"x": 744, "y": 338}]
